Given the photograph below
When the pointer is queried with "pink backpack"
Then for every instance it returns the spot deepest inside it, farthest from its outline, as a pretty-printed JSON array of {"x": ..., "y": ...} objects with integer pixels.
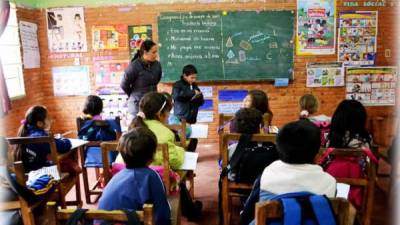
[
  {"x": 325, "y": 127},
  {"x": 348, "y": 167}
]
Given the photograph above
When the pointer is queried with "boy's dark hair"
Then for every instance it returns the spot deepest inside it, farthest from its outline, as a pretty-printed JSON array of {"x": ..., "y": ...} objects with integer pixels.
[
  {"x": 298, "y": 142},
  {"x": 137, "y": 147},
  {"x": 259, "y": 100},
  {"x": 248, "y": 121},
  {"x": 189, "y": 70},
  {"x": 151, "y": 104},
  {"x": 93, "y": 105},
  {"x": 350, "y": 116}
]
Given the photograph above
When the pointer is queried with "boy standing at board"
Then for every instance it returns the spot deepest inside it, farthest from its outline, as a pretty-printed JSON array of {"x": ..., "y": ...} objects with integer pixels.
[{"x": 187, "y": 95}]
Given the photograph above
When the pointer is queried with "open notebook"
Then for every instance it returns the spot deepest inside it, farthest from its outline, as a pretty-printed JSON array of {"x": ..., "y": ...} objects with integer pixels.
[
  {"x": 342, "y": 190},
  {"x": 190, "y": 161}
]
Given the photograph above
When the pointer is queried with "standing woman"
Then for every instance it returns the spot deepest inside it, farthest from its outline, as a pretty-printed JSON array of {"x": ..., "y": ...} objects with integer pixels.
[{"x": 142, "y": 75}]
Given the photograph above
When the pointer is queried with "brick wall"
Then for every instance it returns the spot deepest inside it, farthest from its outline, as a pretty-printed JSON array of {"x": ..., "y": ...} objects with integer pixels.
[{"x": 283, "y": 101}]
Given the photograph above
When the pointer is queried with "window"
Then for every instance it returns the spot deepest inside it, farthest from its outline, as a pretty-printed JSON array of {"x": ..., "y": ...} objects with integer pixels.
[{"x": 10, "y": 54}]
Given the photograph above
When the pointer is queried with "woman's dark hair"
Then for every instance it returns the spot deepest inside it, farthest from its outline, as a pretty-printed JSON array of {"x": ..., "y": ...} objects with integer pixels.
[
  {"x": 248, "y": 121},
  {"x": 145, "y": 46},
  {"x": 298, "y": 142},
  {"x": 259, "y": 100},
  {"x": 34, "y": 115},
  {"x": 93, "y": 105},
  {"x": 350, "y": 116},
  {"x": 151, "y": 104},
  {"x": 189, "y": 70},
  {"x": 137, "y": 147}
]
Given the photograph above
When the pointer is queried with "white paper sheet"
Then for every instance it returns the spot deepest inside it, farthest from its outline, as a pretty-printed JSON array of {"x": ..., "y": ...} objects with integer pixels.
[
  {"x": 30, "y": 45},
  {"x": 77, "y": 142},
  {"x": 342, "y": 190},
  {"x": 199, "y": 131},
  {"x": 190, "y": 161}
]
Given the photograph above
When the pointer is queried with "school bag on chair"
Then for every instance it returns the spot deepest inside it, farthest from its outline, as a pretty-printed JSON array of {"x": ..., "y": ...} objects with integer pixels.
[
  {"x": 304, "y": 208},
  {"x": 250, "y": 158},
  {"x": 77, "y": 219}
]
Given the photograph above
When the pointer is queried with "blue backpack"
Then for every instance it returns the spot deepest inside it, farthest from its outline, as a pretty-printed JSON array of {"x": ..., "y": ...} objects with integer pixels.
[{"x": 304, "y": 208}]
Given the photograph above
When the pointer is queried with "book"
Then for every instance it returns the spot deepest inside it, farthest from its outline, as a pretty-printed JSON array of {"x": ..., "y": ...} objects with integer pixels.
[{"x": 190, "y": 161}]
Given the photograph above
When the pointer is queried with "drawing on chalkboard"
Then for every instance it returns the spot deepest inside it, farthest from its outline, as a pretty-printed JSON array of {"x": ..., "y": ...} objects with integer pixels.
[
  {"x": 245, "y": 45},
  {"x": 230, "y": 54},
  {"x": 229, "y": 43},
  {"x": 242, "y": 56}
]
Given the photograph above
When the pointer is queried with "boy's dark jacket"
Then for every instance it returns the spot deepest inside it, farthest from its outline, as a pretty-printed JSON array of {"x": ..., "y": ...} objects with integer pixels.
[{"x": 185, "y": 106}]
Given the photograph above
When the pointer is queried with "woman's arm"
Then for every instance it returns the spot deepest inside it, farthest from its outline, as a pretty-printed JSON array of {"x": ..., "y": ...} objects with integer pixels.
[{"x": 129, "y": 79}]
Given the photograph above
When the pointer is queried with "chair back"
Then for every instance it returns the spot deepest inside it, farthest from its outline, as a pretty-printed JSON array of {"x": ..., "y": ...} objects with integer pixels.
[
  {"x": 181, "y": 129},
  {"x": 269, "y": 210},
  {"x": 367, "y": 182},
  {"x": 57, "y": 216},
  {"x": 98, "y": 123}
]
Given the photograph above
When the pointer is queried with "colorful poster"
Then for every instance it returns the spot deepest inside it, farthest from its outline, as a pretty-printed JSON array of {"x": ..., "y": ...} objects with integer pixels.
[
  {"x": 207, "y": 91},
  {"x": 71, "y": 80},
  {"x": 30, "y": 45},
  {"x": 372, "y": 86},
  {"x": 229, "y": 107},
  {"x": 137, "y": 34},
  {"x": 205, "y": 117},
  {"x": 108, "y": 76},
  {"x": 316, "y": 27},
  {"x": 325, "y": 74},
  {"x": 109, "y": 37},
  {"x": 116, "y": 105},
  {"x": 357, "y": 37},
  {"x": 232, "y": 95},
  {"x": 66, "y": 31}
]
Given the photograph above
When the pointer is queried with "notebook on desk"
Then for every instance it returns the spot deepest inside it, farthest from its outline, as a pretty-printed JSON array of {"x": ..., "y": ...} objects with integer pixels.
[{"x": 190, "y": 161}]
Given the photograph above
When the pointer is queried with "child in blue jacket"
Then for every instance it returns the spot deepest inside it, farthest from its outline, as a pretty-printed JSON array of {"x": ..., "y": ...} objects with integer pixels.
[
  {"x": 37, "y": 123},
  {"x": 137, "y": 184}
]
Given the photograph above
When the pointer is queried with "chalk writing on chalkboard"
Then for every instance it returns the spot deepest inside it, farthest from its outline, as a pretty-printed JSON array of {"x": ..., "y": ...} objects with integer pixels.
[{"x": 244, "y": 45}]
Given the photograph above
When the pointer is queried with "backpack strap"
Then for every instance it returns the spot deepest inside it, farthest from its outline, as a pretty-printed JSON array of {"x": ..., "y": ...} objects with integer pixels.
[
  {"x": 240, "y": 148},
  {"x": 76, "y": 216},
  {"x": 324, "y": 156},
  {"x": 322, "y": 210},
  {"x": 291, "y": 211}
]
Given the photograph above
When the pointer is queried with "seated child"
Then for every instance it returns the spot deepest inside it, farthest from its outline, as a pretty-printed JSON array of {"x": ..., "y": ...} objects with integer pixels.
[
  {"x": 37, "y": 123},
  {"x": 348, "y": 131},
  {"x": 256, "y": 99},
  {"x": 298, "y": 143},
  {"x": 137, "y": 184},
  {"x": 89, "y": 131}
]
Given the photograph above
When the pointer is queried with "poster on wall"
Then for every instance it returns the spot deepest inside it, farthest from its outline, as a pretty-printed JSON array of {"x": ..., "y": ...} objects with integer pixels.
[
  {"x": 325, "y": 74},
  {"x": 316, "y": 27},
  {"x": 71, "y": 80},
  {"x": 109, "y": 75},
  {"x": 109, "y": 37},
  {"x": 357, "y": 37},
  {"x": 66, "y": 31},
  {"x": 30, "y": 45},
  {"x": 116, "y": 105},
  {"x": 373, "y": 86},
  {"x": 137, "y": 34}
]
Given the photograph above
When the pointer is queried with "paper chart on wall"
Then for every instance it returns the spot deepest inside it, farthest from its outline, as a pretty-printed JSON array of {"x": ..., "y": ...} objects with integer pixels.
[
  {"x": 71, "y": 80},
  {"x": 109, "y": 75},
  {"x": 110, "y": 37},
  {"x": 116, "y": 105},
  {"x": 357, "y": 37},
  {"x": 138, "y": 34},
  {"x": 66, "y": 30},
  {"x": 372, "y": 86},
  {"x": 30, "y": 45},
  {"x": 316, "y": 27},
  {"x": 325, "y": 74}
]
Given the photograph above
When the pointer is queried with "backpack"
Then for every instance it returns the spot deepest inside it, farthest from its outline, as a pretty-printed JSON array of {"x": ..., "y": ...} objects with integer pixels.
[
  {"x": 77, "y": 218},
  {"x": 324, "y": 127},
  {"x": 347, "y": 167},
  {"x": 250, "y": 159},
  {"x": 304, "y": 208}
]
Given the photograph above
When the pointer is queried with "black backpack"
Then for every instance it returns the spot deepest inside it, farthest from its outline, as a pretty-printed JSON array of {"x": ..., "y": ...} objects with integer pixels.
[{"x": 250, "y": 158}]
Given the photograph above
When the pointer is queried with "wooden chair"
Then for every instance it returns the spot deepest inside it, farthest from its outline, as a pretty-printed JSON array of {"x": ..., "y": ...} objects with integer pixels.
[
  {"x": 67, "y": 182},
  {"x": 95, "y": 189},
  {"x": 233, "y": 189},
  {"x": 181, "y": 129},
  {"x": 56, "y": 216},
  {"x": 343, "y": 210},
  {"x": 368, "y": 183}
]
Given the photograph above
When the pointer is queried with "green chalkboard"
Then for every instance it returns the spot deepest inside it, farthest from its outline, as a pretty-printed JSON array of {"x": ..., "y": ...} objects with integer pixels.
[{"x": 241, "y": 45}]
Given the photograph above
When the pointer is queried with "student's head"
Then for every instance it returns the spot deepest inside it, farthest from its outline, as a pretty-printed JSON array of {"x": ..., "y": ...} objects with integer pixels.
[
  {"x": 93, "y": 105},
  {"x": 259, "y": 100},
  {"x": 153, "y": 106},
  {"x": 137, "y": 147},
  {"x": 36, "y": 116},
  {"x": 189, "y": 74},
  {"x": 308, "y": 105},
  {"x": 350, "y": 116},
  {"x": 148, "y": 51},
  {"x": 298, "y": 142},
  {"x": 248, "y": 121}
]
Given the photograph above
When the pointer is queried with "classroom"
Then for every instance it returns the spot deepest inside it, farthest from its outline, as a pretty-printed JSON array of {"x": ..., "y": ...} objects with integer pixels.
[{"x": 224, "y": 94}]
